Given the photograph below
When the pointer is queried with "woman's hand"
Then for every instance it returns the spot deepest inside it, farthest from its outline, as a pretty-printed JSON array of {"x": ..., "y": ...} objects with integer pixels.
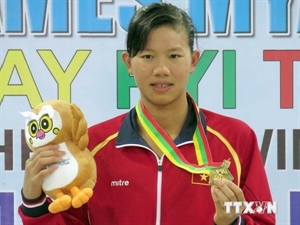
[
  {"x": 226, "y": 191},
  {"x": 35, "y": 170}
]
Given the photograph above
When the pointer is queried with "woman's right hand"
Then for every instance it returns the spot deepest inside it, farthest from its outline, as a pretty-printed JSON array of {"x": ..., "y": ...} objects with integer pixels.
[{"x": 35, "y": 170}]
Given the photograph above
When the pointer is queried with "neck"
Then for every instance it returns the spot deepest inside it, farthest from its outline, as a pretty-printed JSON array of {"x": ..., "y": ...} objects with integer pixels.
[{"x": 170, "y": 118}]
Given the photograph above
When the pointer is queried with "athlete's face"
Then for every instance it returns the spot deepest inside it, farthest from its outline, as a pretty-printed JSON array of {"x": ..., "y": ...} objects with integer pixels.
[{"x": 162, "y": 69}]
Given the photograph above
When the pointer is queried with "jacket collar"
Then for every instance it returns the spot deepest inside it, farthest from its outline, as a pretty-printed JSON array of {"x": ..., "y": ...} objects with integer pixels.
[{"x": 129, "y": 134}]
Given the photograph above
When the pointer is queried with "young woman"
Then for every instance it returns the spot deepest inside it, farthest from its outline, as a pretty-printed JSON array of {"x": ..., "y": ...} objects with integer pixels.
[{"x": 151, "y": 168}]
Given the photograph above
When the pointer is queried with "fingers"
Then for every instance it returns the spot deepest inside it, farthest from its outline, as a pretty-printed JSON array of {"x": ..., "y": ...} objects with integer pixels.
[
  {"x": 44, "y": 151},
  {"x": 44, "y": 156},
  {"x": 228, "y": 191},
  {"x": 36, "y": 170},
  {"x": 217, "y": 198}
]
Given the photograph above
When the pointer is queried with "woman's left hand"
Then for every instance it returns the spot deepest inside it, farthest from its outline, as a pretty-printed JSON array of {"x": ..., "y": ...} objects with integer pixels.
[{"x": 226, "y": 191}]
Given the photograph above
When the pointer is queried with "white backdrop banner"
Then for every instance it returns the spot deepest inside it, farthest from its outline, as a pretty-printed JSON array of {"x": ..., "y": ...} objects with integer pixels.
[{"x": 70, "y": 50}]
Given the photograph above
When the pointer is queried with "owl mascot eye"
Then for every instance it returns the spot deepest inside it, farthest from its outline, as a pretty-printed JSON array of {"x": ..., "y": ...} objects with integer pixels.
[{"x": 63, "y": 123}]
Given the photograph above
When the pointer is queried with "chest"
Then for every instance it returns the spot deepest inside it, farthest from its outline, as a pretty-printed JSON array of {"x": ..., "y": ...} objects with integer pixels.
[{"x": 152, "y": 145}]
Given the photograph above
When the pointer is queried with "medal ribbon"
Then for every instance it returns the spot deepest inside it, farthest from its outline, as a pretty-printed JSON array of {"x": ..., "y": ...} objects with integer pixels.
[{"x": 168, "y": 147}]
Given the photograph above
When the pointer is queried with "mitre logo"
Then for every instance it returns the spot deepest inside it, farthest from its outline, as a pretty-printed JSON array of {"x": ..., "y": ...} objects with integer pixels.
[
  {"x": 256, "y": 207},
  {"x": 116, "y": 183}
]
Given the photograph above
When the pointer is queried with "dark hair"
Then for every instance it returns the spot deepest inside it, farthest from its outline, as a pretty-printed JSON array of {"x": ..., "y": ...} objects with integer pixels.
[{"x": 152, "y": 16}]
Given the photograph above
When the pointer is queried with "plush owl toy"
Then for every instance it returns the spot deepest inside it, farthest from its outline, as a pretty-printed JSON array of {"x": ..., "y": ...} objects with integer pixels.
[{"x": 63, "y": 123}]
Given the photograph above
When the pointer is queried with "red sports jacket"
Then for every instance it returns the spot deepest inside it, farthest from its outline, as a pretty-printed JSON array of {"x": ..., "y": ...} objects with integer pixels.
[{"x": 135, "y": 187}]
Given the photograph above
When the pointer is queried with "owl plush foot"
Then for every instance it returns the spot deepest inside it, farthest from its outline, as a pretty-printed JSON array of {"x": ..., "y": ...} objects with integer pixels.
[
  {"x": 60, "y": 204},
  {"x": 81, "y": 197}
]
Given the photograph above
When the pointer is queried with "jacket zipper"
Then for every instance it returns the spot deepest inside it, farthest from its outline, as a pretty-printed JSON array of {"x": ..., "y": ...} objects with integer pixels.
[
  {"x": 158, "y": 190},
  {"x": 158, "y": 183}
]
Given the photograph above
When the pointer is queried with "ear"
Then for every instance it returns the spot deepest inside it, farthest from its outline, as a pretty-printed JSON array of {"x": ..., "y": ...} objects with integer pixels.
[
  {"x": 26, "y": 114},
  {"x": 127, "y": 60},
  {"x": 195, "y": 60}
]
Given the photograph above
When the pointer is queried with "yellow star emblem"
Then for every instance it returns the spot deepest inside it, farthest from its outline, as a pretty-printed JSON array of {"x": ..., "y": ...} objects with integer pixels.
[{"x": 203, "y": 176}]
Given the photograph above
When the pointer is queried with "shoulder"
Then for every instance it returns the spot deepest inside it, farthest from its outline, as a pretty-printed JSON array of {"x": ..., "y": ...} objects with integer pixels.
[
  {"x": 216, "y": 120},
  {"x": 112, "y": 123},
  {"x": 228, "y": 127},
  {"x": 105, "y": 129}
]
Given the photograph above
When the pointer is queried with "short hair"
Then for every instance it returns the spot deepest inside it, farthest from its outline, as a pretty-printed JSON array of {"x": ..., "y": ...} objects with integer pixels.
[{"x": 153, "y": 16}]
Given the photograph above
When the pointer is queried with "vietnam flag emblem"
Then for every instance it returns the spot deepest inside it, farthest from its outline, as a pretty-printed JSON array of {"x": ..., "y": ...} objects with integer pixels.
[{"x": 200, "y": 179}]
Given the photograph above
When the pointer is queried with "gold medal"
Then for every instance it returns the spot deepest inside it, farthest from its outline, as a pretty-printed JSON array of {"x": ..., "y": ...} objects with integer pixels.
[{"x": 220, "y": 173}]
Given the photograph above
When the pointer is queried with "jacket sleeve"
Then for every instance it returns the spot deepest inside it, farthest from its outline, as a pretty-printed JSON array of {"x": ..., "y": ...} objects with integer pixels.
[
  {"x": 35, "y": 212},
  {"x": 254, "y": 183}
]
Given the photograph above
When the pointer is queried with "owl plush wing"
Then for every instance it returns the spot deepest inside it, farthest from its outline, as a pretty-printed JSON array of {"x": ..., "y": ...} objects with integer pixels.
[{"x": 79, "y": 127}]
